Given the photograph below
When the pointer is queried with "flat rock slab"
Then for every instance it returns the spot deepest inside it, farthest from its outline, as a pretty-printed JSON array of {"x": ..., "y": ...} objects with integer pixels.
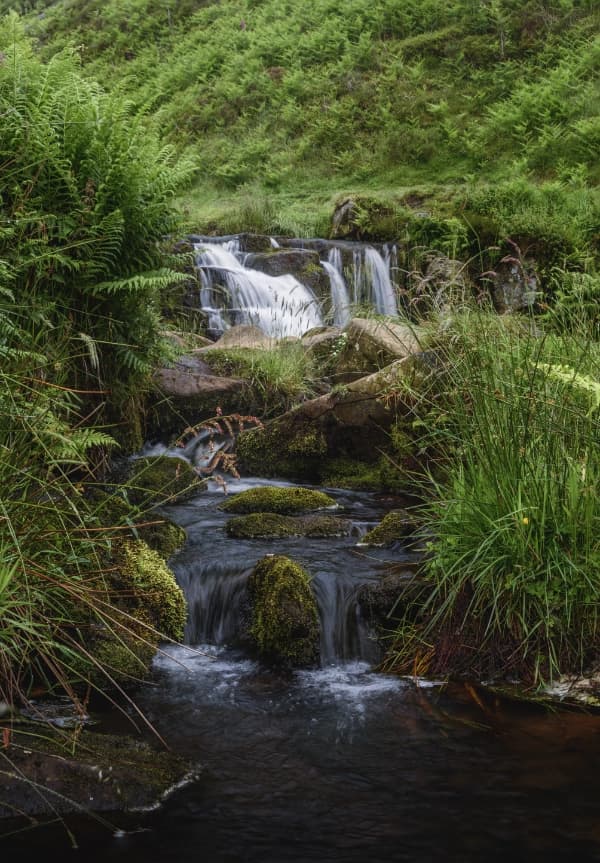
[
  {"x": 191, "y": 376},
  {"x": 242, "y": 336},
  {"x": 45, "y": 773}
]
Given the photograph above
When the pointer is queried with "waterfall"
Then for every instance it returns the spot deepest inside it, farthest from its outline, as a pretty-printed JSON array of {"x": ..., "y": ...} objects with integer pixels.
[
  {"x": 372, "y": 282},
  {"x": 344, "y": 633},
  {"x": 214, "y": 593},
  {"x": 233, "y": 294},
  {"x": 340, "y": 299}
]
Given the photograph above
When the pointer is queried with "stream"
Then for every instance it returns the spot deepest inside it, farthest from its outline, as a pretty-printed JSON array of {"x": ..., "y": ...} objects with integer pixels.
[{"x": 339, "y": 763}]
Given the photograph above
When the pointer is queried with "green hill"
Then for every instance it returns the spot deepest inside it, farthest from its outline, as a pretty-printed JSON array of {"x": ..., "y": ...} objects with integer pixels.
[{"x": 486, "y": 106}]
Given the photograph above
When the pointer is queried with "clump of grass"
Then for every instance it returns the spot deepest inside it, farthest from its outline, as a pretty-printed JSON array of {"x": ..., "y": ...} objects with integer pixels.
[
  {"x": 280, "y": 376},
  {"x": 513, "y": 569}
]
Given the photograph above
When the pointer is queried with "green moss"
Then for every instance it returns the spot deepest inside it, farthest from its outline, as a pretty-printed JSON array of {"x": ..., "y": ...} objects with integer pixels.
[
  {"x": 285, "y": 621},
  {"x": 161, "y": 479},
  {"x": 283, "y": 448},
  {"x": 275, "y": 499},
  {"x": 353, "y": 474},
  {"x": 113, "y": 509},
  {"x": 154, "y": 591},
  {"x": 124, "y": 655},
  {"x": 397, "y": 525},
  {"x": 165, "y": 537},
  {"x": 268, "y": 525}
]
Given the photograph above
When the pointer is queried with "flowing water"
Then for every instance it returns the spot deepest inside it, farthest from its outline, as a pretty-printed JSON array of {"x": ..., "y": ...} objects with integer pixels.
[
  {"x": 338, "y": 763},
  {"x": 233, "y": 292}
]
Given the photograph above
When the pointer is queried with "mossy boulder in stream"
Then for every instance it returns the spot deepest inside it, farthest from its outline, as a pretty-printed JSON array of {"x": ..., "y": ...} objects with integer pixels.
[
  {"x": 395, "y": 526},
  {"x": 269, "y": 525},
  {"x": 278, "y": 499},
  {"x": 284, "y": 618}
]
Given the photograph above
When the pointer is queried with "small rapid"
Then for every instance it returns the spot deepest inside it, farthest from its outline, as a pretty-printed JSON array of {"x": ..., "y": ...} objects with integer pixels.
[{"x": 338, "y": 763}]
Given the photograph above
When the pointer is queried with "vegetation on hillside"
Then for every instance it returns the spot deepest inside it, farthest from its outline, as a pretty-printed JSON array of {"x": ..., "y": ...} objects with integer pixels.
[
  {"x": 285, "y": 105},
  {"x": 452, "y": 125},
  {"x": 84, "y": 207}
]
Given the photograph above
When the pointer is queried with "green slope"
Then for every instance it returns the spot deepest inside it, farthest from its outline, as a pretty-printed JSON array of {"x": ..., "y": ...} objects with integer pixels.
[{"x": 286, "y": 104}]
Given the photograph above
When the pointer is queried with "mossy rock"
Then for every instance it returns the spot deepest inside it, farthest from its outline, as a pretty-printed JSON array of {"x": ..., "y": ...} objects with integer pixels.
[
  {"x": 269, "y": 525},
  {"x": 284, "y": 618},
  {"x": 395, "y": 526},
  {"x": 162, "y": 479},
  {"x": 260, "y": 451},
  {"x": 352, "y": 474},
  {"x": 114, "y": 509},
  {"x": 147, "y": 605},
  {"x": 85, "y": 772},
  {"x": 157, "y": 597},
  {"x": 276, "y": 499},
  {"x": 164, "y": 536}
]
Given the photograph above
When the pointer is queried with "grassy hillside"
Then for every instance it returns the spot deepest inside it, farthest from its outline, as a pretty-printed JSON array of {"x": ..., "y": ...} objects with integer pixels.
[{"x": 285, "y": 105}]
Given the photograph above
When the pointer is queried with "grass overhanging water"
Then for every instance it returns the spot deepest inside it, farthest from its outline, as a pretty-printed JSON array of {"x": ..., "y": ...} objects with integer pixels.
[{"x": 512, "y": 522}]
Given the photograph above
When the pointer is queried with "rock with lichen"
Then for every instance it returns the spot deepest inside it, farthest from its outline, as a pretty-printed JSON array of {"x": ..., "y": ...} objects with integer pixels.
[
  {"x": 284, "y": 621},
  {"x": 278, "y": 499},
  {"x": 269, "y": 525}
]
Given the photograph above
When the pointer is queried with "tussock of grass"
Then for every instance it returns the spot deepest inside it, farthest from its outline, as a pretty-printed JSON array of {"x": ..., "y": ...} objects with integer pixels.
[{"x": 514, "y": 564}]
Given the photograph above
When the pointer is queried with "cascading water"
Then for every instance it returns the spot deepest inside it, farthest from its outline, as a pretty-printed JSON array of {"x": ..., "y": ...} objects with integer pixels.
[
  {"x": 372, "y": 281},
  {"x": 234, "y": 294},
  {"x": 340, "y": 299},
  {"x": 213, "y": 570}
]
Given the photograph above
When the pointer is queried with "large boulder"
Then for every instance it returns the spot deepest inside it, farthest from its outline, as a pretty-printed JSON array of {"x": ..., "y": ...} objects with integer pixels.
[
  {"x": 368, "y": 345},
  {"x": 303, "y": 264},
  {"x": 188, "y": 392},
  {"x": 352, "y": 422},
  {"x": 284, "y": 626},
  {"x": 515, "y": 284}
]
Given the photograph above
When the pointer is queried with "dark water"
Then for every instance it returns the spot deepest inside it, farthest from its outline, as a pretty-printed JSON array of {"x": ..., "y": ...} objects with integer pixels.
[{"x": 341, "y": 764}]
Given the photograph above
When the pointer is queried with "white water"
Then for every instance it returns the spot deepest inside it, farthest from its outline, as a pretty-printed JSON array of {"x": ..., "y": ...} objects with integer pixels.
[
  {"x": 233, "y": 294},
  {"x": 340, "y": 299},
  {"x": 372, "y": 280}
]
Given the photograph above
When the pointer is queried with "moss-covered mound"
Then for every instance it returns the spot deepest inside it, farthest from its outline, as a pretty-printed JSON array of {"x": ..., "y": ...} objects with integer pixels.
[
  {"x": 164, "y": 536},
  {"x": 395, "y": 526},
  {"x": 286, "y": 447},
  {"x": 285, "y": 620},
  {"x": 275, "y": 499},
  {"x": 269, "y": 525},
  {"x": 161, "y": 479},
  {"x": 113, "y": 509},
  {"x": 147, "y": 605}
]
